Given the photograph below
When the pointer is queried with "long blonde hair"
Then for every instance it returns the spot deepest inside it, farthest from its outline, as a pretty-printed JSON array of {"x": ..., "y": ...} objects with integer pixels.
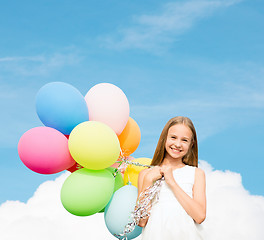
[{"x": 191, "y": 158}]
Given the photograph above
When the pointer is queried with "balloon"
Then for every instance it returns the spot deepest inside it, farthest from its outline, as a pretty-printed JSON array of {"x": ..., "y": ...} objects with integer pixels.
[
  {"x": 118, "y": 211},
  {"x": 130, "y": 137},
  {"x": 61, "y": 106},
  {"x": 132, "y": 171},
  {"x": 45, "y": 150},
  {"x": 94, "y": 145},
  {"x": 86, "y": 192},
  {"x": 107, "y": 103}
]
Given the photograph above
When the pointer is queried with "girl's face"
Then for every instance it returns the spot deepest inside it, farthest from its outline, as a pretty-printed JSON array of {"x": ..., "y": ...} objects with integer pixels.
[{"x": 178, "y": 141}]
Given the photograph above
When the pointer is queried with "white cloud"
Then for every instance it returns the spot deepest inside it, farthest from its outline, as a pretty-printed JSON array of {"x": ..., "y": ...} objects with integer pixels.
[
  {"x": 38, "y": 65},
  {"x": 43, "y": 217},
  {"x": 233, "y": 214},
  {"x": 149, "y": 31},
  {"x": 19, "y": 59}
]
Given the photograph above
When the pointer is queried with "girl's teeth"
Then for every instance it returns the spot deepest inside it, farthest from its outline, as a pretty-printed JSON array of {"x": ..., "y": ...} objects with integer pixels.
[{"x": 176, "y": 150}]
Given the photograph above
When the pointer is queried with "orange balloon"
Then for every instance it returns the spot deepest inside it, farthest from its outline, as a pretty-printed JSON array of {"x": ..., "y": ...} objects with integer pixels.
[{"x": 130, "y": 137}]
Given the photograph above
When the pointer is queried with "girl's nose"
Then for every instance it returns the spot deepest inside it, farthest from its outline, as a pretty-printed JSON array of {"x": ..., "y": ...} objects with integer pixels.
[{"x": 177, "y": 143}]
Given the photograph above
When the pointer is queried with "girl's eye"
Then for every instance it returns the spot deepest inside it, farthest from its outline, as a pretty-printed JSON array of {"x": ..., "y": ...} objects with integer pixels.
[{"x": 185, "y": 140}]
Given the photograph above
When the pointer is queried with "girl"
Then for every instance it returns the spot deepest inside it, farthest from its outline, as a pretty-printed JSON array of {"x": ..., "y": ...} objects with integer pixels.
[{"x": 182, "y": 201}]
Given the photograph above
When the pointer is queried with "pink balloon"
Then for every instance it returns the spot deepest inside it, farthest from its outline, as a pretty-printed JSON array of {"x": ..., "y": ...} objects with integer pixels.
[
  {"x": 45, "y": 150},
  {"x": 107, "y": 103}
]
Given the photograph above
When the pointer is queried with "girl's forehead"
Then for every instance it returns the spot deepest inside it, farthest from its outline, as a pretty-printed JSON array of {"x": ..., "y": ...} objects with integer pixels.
[{"x": 180, "y": 129}]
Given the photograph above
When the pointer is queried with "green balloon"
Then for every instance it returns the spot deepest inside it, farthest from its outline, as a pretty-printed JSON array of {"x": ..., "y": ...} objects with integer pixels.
[{"x": 86, "y": 192}]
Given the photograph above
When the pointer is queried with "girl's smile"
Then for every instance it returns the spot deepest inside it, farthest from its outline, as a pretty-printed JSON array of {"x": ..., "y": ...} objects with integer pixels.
[{"x": 175, "y": 150}]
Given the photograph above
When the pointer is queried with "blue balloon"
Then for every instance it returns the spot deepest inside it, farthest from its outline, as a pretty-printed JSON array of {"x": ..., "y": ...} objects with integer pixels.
[
  {"x": 118, "y": 211},
  {"x": 61, "y": 106}
]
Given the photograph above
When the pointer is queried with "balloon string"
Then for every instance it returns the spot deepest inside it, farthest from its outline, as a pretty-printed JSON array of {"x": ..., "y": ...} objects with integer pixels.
[
  {"x": 124, "y": 159},
  {"x": 137, "y": 164}
]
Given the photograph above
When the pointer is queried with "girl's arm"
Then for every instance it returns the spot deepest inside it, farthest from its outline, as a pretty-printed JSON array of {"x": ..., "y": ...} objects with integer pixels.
[
  {"x": 142, "y": 182},
  {"x": 196, "y": 206},
  {"x": 142, "y": 185},
  {"x": 145, "y": 179}
]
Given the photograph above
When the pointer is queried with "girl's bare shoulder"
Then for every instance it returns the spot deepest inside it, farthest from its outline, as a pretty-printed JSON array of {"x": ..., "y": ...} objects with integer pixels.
[
  {"x": 199, "y": 171},
  {"x": 143, "y": 172},
  {"x": 199, "y": 175}
]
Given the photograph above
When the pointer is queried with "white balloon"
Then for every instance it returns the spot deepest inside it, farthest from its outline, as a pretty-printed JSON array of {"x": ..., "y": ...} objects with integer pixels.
[{"x": 107, "y": 103}]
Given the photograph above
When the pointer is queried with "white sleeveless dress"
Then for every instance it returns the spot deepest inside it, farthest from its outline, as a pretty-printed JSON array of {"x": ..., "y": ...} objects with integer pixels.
[{"x": 168, "y": 219}]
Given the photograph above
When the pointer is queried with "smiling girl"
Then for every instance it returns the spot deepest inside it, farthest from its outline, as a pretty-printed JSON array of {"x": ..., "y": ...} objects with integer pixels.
[{"x": 182, "y": 200}]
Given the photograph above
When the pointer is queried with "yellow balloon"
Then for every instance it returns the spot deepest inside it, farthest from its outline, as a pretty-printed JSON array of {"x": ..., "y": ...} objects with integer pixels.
[
  {"x": 132, "y": 171},
  {"x": 94, "y": 145}
]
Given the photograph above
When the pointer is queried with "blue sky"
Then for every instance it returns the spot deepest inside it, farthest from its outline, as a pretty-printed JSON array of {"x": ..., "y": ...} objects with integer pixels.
[{"x": 201, "y": 59}]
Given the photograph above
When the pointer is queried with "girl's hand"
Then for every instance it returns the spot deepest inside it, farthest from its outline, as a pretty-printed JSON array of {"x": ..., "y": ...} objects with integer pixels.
[
  {"x": 167, "y": 172},
  {"x": 153, "y": 174}
]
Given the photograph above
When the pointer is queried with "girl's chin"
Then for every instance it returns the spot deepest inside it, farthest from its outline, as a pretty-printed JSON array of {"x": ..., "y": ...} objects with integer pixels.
[{"x": 176, "y": 155}]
